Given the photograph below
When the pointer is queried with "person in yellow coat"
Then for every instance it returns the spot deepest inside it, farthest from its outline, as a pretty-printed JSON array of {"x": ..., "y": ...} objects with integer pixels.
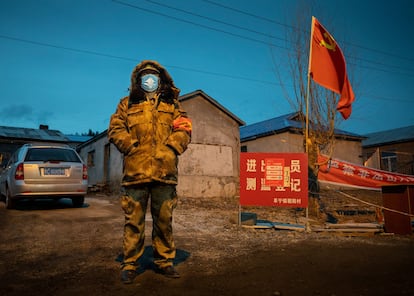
[{"x": 151, "y": 130}]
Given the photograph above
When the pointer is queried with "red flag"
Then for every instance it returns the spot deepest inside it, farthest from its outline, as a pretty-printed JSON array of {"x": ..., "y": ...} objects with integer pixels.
[{"x": 327, "y": 67}]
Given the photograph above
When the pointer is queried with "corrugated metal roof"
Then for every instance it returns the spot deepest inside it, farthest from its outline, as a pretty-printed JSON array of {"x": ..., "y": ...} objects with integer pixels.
[
  {"x": 267, "y": 127},
  {"x": 78, "y": 138},
  {"x": 398, "y": 135},
  {"x": 278, "y": 125},
  {"x": 32, "y": 134}
]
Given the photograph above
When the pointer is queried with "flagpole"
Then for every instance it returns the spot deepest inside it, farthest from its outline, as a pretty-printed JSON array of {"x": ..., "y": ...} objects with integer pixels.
[
  {"x": 307, "y": 114},
  {"x": 308, "y": 90}
]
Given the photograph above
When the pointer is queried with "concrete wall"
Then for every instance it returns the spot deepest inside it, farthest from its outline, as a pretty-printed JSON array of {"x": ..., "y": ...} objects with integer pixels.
[
  {"x": 210, "y": 166},
  {"x": 348, "y": 150},
  {"x": 207, "y": 171},
  {"x": 99, "y": 173},
  {"x": 285, "y": 142}
]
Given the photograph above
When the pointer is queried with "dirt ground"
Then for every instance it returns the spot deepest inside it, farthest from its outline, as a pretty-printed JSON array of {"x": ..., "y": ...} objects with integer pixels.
[{"x": 50, "y": 248}]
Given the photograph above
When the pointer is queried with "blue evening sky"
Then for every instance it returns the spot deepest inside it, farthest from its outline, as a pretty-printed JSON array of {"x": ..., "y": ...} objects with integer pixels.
[{"x": 66, "y": 63}]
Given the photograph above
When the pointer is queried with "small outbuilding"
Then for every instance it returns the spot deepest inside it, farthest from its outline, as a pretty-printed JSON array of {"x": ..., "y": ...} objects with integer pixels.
[
  {"x": 209, "y": 167},
  {"x": 11, "y": 138}
]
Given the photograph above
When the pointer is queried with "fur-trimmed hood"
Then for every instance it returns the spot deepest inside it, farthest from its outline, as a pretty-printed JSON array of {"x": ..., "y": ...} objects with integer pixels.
[{"x": 168, "y": 91}]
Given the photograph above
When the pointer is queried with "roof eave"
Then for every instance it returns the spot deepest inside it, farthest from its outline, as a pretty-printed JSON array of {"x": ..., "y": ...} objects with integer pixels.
[{"x": 212, "y": 101}]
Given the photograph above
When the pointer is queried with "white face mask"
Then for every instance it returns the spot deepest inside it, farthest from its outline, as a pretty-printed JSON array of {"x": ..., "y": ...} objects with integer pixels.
[{"x": 150, "y": 82}]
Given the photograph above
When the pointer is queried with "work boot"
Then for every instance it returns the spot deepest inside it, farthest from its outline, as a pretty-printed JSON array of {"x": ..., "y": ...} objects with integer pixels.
[
  {"x": 168, "y": 271},
  {"x": 128, "y": 276}
]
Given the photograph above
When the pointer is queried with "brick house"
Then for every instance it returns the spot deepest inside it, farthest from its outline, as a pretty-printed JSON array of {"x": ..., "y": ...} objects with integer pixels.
[{"x": 390, "y": 150}]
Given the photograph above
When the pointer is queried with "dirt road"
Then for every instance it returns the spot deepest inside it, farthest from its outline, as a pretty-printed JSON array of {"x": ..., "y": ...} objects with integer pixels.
[{"x": 51, "y": 248}]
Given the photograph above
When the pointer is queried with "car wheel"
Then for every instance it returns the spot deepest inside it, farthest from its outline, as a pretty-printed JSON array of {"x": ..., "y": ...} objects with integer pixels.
[
  {"x": 78, "y": 201},
  {"x": 9, "y": 200}
]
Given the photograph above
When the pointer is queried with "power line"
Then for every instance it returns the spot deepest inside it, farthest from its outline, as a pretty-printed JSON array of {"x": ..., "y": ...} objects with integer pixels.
[
  {"x": 215, "y": 20},
  {"x": 257, "y": 32},
  {"x": 196, "y": 24},
  {"x": 252, "y": 31},
  {"x": 382, "y": 70},
  {"x": 296, "y": 28},
  {"x": 66, "y": 48},
  {"x": 95, "y": 53},
  {"x": 221, "y": 75},
  {"x": 249, "y": 14},
  {"x": 385, "y": 98},
  {"x": 293, "y": 27},
  {"x": 383, "y": 64},
  {"x": 381, "y": 52},
  {"x": 186, "y": 21}
]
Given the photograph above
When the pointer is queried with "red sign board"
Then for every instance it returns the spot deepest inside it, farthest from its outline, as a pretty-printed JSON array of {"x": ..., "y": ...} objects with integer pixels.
[{"x": 274, "y": 179}]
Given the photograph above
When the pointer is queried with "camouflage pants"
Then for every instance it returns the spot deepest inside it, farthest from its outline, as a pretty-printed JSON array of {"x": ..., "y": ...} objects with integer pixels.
[{"x": 134, "y": 203}]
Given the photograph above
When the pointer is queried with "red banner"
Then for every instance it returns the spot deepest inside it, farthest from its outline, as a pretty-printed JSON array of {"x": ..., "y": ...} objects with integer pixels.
[
  {"x": 274, "y": 179},
  {"x": 343, "y": 173}
]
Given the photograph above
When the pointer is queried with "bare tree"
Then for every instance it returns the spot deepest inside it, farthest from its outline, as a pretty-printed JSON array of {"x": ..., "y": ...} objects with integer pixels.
[
  {"x": 319, "y": 104},
  {"x": 316, "y": 106}
]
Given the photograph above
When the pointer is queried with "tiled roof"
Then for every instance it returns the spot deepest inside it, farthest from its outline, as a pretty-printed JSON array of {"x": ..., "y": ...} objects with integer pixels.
[
  {"x": 281, "y": 124},
  {"x": 398, "y": 135},
  {"x": 78, "y": 138}
]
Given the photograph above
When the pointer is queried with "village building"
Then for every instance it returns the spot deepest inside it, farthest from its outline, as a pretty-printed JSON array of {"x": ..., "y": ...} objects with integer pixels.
[
  {"x": 390, "y": 150},
  {"x": 209, "y": 167},
  {"x": 284, "y": 134},
  {"x": 11, "y": 138}
]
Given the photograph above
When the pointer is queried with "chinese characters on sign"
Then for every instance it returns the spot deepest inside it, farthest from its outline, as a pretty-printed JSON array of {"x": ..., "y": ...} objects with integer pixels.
[
  {"x": 274, "y": 168},
  {"x": 343, "y": 173},
  {"x": 274, "y": 179}
]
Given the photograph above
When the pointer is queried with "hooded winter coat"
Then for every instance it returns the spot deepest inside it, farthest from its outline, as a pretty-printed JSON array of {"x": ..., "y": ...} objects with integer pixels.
[{"x": 150, "y": 135}]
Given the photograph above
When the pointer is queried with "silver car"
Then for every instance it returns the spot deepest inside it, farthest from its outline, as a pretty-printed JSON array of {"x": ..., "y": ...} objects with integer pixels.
[{"x": 44, "y": 171}]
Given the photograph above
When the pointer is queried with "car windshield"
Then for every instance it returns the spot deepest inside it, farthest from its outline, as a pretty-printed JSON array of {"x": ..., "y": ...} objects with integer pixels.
[{"x": 51, "y": 154}]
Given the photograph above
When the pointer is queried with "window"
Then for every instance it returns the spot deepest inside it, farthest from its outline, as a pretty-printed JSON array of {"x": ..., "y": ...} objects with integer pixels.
[
  {"x": 243, "y": 148},
  {"x": 51, "y": 154},
  {"x": 389, "y": 161},
  {"x": 91, "y": 158}
]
